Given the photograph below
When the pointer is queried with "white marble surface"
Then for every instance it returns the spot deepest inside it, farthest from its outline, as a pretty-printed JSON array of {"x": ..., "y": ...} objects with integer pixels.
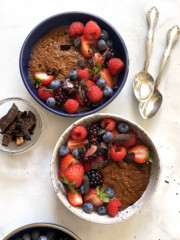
[{"x": 26, "y": 192}]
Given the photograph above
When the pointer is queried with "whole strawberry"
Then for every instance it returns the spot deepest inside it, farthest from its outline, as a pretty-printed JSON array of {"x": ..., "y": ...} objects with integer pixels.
[{"x": 113, "y": 207}]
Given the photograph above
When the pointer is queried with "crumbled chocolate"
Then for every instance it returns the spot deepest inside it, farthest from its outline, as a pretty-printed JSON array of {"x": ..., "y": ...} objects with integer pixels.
[
  {"x": 80, "y": 63},
  {"x": 65, "y": 46},
  {"x": 99, "y": 165},
  {"x": 54, "y": 72},
  {"x": 77, "y": 42},
  {"x": 97, "y": 77},
  {"x": 86, "y": 184},
  {"x": 91, "y": 63},
  {"x": 121, "y": 138},
  {"x": 103, "y": 145},
  {"x": 101, "y": 132},
  {"x": 129, "y": 157},
  {"x": 6, "y": 120}
]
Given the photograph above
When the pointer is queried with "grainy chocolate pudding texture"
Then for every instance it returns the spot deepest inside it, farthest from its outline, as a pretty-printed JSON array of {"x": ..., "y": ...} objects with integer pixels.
[
  {"x": 47, "y": 54},
  {"x": 129, "y": 180}
]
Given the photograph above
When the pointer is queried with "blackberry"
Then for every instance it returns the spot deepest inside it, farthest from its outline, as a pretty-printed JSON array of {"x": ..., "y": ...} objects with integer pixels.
[
  {"x": 60, "y": 97},
  {"x": 95, "y": 178},
  {"x": 70, "y": 88},
  {"x": 93, "y": 133}
]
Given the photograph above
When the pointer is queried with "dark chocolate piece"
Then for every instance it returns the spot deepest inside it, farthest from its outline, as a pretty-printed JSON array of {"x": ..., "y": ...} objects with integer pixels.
[
  {"x": 129, "y": 157},
  {"x": 77, "y": 42},
  {"x": 91, "y": 63},
  {"x": 121, "y": 138},
  {"x": 86, "y": 184},
  {"x": 9, "y": 117},
  {"x": 103, "y": 145},
  {"x": 99, "y": 165},
  {"x": 65, "y": 46}
]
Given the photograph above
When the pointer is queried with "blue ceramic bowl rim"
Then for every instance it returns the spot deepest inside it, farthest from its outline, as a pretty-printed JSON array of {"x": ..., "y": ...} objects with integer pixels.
[
  {"x": 79, "y": 114},
  {"x": 42, "y": 224}
]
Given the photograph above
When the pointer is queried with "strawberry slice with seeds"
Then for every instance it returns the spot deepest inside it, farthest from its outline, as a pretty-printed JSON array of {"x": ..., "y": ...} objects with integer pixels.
[
  {"x": 66, "y": 162},
  {"x": 86, "y": 48},
  {"x": 105, "y": 74},
  {"x": 43, "y": 78},
  {"x": 75, "y": 199},
  {"x": 72, "y": 144},
  {"x": 141, "y": 153}
]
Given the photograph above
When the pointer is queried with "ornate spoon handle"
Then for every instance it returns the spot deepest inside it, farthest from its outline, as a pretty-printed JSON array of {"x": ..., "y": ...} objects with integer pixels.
[
  {"x": 172, "y": 38},
  {"x": 152, "y": 17}
]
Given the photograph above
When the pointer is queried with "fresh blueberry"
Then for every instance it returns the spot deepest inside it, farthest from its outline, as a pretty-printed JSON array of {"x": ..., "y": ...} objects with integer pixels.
[
  {"x": 87, "y": 207},
  {"x": 108, "y": 136},
  {"x": 101, "y": 83},
  {"x": 50, "y": 235},
  {"x": 110, "y": 191},
  {"x": 123, "y": 127},
  {"x": 101, "y": 210},
  {"x": 81, "y": 189},
  {"x": 42, "y": 237},
  {"x": 107, "y": 92},
  {"x": 26, "y": 236},
  {"x": 35, "y": 234},
  {"x": 104, "y": 35},
  {"x": 109, "y": 43},
  {"x": 63, "y": 150},
  {"x": 55, "y": 84},
  {"x": 102, "y": 44},
  {"x": 75, "y": 153},
  {"x": 73, "y": 75},
  {"x": 51, "y": 102}
]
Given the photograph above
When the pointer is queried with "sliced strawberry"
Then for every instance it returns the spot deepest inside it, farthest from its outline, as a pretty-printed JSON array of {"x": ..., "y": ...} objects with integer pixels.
[
  {"x": 66, "y": 162},
  {"x": 72, "y": 144},
  {"x": 90, "y": 83},
  {"x": 105, "y": 74},
  {"x": 98, "y": 59},
  {"x": 43, "y": 95},
  {"x": 43, "y": 77},
  {"x": 132, "y": 141},
  {"x": 84, "y": 73},
  {"x": 74, "y": 174},
  {"x": 91, "y": 151},
  {"x": 141, "y": 153},
  {"x": 75, "y": 199},
  {"x": 85, "y": 47},
  {"x": 81, "y": 103}
]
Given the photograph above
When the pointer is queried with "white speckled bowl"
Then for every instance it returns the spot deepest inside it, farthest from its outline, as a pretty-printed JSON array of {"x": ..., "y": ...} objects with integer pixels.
[{"x": 128, "y": 212}]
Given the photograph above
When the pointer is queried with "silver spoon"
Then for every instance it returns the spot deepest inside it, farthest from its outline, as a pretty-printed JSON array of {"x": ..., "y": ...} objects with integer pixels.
[
  {"x": 150, "y": 107},
  {"x": 144, "y": 83}
]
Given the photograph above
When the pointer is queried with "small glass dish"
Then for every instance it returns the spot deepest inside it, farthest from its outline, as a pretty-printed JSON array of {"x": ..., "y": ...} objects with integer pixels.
[{"x": 23, "y": 105}]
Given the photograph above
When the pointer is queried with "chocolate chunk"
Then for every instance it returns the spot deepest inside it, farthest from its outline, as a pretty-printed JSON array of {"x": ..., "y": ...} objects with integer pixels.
[
  {"x": 90, "y": 52},
  {"x": 77, "y": 42},
  {"x": 129, "y": 157},
  {"x": 121, "y": 138},
  {"x": 53, "y": 72},
  {"x": 101, "y": 132},
  {"x": 99, "y": 165},
  {"x": 97, "y": 77},
  {"x": 80, "y": 63},
  {"x": 91, "y": 63},
  {"x": 86, "y": 184},
  {"x": 9, "y": 117},
  {"x": 81, "y": 150},
  {"x": 103, "y": 145},
  {"x": 6, "y": 140},
  {"x": 65, "y": 46}
]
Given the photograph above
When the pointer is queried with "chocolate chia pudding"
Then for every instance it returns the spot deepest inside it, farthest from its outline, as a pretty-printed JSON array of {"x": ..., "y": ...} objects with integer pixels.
[{"x": 73, "y": 68}]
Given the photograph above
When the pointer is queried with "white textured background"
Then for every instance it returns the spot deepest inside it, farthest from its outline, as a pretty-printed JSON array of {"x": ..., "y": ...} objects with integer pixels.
[{"x": 26, "y": 192}]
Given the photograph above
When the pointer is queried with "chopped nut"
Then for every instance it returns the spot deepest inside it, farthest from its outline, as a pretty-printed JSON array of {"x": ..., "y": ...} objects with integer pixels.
[{"x": 19, "y": 141}]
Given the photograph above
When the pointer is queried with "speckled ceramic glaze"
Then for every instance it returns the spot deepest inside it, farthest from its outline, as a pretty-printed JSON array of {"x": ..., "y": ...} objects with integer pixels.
[{"x": 131, "y": 210}]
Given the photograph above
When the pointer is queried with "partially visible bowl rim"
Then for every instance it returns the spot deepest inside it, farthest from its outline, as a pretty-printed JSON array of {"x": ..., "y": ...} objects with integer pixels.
[
  {"x": 42, "y": 224},
  {"x": 40, "y": 123},
  {"x": 123, "y": 119},
  {"x": 80, "y": 114}
]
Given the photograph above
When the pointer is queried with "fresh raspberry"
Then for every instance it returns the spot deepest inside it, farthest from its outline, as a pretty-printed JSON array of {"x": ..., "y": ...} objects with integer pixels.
[
  {"x": 141, "y": 153},
  {"x": 132, "y": 141},
  {"x": 43, "y": 95},
  {"x": 76, "y": 29},
  {"x": 71, "y": 106},
  {"x": 117, "y": 153},
  {"x": 115, "y": 66},
  {"x": 113, "y": 207},
  {"x": 108, "y": 123},
  {"x": 92, "y": 31},
  {"x": 84, "y": 74},
  {"x": 79, "y": 133},
  {"x": 95, "y": 94}
]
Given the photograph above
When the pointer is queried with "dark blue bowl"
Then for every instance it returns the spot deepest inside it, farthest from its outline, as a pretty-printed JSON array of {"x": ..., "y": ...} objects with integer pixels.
[
  {"x": 60, "y": 232},
  {"x": 66, "y": 19}
]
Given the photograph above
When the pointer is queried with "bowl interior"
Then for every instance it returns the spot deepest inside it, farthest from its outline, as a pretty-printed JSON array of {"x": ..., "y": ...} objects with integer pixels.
[
  {"x": 60, "y": 232},
  {"x": 66, "y": 19},
  {"x": 131, "y": 210},
  {"x": 22, "y": 105}
]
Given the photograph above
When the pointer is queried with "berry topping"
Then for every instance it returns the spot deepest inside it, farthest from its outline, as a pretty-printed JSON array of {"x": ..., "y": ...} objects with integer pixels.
[
  {"x": 123, "y": 127},
  {"x": 73, "y": 75},
  {"x": 102, "y": 45},
  {"x": 115, "y": 66},
  {"x": 107, "y": 92},
  {"x": 86, "y": 48},
  {"x": 101, "y": 83},
  {"x": 60, "y": 97},
  {"x": 96, "y": 196},
  {"x": 92, "y": 31},
  {"x": 113, "y": 207},
  {"x": 91, "y": 151},
  {"x": 81, "y": 189},
  {"x": 43, "y": 95},
  {"x": 76, "y": 153},
  {"x": 76, "y": 29},
  {"x": 132, "y": 141},
  {"x": 72, "y": 144},
  {"x": 110, "y": 191},
  {"x": 87, "y": 207},
  {"x": 104, "y": 35},
  {"x": 43, "y": 78},
  {"x": 109, "y": 43},
  {"x": 84, "y": 74},
  {"x": 105, "y": 74},
  {"x": 55, "y": 84},
  {"x": 141, "y": 153},
  {"x": 51, "y": 102},
  {"x": 102, "y": 210},
  {"x": 66, "y": 162},
  {"x": 95, "y": 94},
  {"x": 63, "y": 151},
  {"x": 117, "y": 153},
  {"x": 87, "y": 165},
  {"x": 73, "y": 176},
  {"x": 108, "y": 137},
  {"x": 90, "y": 83},
  {"x": 81, "y": 103},
  {"x": 71, "y": 106},
  {"x": 79, "y": 133},
  {"x": 98, "y": 59},
  {"x": 75, "y": 199},
  {"x": 108, "y": 123},
  {"x": 95, "y": 178}
]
